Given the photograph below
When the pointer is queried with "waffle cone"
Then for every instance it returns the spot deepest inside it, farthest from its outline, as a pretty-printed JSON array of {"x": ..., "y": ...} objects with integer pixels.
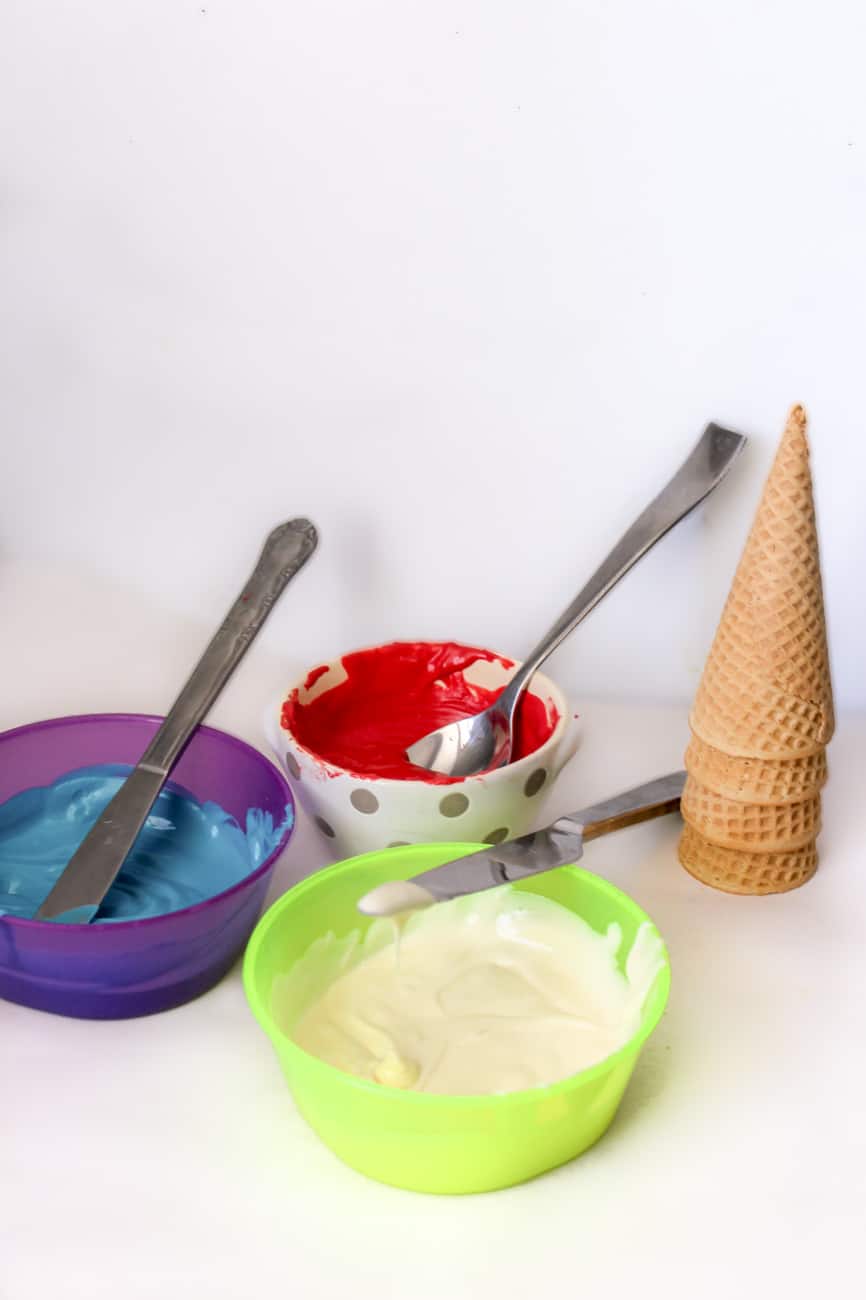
[
  {"x": 765, "y": 690},
  {"x": 738, "y": 871},
  {"x": 757, "y": 827},
  {"x": 756, "y": 780}
]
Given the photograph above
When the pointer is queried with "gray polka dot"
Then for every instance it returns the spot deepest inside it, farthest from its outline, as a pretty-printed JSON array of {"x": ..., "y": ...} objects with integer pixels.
[
  {"x": 497, "y": 836},
  {"x": 398, "y": 844},
  {"x": 324, "y": 827},
  {"x": 365, "y": 801},
  {"x": 535, "y": 782},
  {"x": 453, "y": 805},
  {"x": 292, "y": 765}
]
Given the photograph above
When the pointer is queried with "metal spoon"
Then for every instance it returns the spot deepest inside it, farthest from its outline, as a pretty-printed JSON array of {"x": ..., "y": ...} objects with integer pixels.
[
  {"x": 92, "y": 869},
  {"x": 485, "y": 740}
]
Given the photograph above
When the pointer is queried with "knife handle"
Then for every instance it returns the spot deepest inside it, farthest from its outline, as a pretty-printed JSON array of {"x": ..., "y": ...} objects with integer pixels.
[
  {"x": 286, "y": 550},
  {"x": 641, "y": 804}
]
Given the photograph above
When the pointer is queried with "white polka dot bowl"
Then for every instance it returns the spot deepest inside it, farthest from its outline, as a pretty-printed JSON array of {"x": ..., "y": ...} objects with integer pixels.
[{"x": 357, "y": 814}]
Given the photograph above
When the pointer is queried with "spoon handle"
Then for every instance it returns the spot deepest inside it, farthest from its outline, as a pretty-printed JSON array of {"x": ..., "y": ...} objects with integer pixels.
[
  {"x": 706, "y": 466},
  {"x": 92, "y": 869}
]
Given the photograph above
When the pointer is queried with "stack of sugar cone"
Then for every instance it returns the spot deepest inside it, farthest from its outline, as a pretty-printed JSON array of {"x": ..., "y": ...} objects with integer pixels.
[{"x": 763, "y": 713}]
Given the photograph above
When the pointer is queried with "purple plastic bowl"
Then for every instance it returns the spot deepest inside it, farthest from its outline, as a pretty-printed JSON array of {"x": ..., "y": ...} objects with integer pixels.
[{"x": 133, "y": 968}]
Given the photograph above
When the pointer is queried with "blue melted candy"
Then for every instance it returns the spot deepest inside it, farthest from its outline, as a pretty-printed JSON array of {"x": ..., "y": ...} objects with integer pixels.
[{"x": 186, "y": 852}]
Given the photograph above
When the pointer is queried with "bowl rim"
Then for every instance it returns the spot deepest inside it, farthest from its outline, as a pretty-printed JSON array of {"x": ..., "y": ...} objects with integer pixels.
[
  {"x": 659, "y": 992},
  {"x": 566, "y": 718},
  {"x": 237, "y": 742}
]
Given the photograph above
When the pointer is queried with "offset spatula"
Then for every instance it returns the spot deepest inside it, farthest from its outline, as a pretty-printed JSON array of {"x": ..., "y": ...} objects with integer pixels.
[
  {"x": 555, "y": 846},
  {"x": 92, "y": 869}
]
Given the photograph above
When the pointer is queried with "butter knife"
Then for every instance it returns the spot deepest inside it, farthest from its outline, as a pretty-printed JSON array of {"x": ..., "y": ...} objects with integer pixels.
[
  {"x": 556, "y": 846},
  {"x": 92, "y": 869}
]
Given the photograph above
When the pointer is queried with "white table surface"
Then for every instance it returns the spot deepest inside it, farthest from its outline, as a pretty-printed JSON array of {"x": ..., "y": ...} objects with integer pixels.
[{"x": 162, "y": 1157}]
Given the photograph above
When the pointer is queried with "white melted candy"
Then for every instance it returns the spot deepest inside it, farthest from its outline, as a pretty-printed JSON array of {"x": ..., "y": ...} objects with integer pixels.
[
  {"x": 394, "y": 898},
  {"x": 491, "y": 993}
]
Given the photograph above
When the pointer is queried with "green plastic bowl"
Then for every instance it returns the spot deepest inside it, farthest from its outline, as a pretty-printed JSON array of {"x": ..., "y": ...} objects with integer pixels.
[{"x": 421, "y": 1141}]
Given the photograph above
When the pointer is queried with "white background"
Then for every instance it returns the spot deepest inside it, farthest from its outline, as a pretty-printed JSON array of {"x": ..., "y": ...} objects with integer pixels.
[{"x": 462, "y": 282}]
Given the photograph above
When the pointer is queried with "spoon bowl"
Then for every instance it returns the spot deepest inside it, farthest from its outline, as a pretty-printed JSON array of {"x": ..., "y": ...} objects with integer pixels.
[{"x": 479, "y": 743}]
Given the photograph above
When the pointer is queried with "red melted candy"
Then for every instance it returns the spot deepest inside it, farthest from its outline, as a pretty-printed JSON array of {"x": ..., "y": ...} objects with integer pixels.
[{"x": 395, "y": 694}]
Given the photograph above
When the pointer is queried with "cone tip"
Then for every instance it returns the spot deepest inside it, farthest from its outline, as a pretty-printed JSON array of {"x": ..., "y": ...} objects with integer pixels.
[{"x": 797, "y": 421}]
